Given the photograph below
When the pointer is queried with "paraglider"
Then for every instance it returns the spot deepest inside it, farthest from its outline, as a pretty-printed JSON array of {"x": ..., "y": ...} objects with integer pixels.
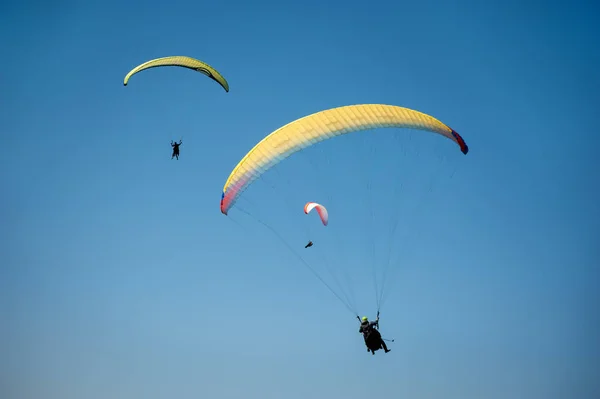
[
  {"x": 323, "y": 214},
  {"x": 175, "y": 149},
  {"x": 315, "y": 128},
  {"x": 184, "y": 62}
]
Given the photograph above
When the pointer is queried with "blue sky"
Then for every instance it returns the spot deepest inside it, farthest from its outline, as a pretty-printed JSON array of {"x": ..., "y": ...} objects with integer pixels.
[{"x": 120, "y": 277}]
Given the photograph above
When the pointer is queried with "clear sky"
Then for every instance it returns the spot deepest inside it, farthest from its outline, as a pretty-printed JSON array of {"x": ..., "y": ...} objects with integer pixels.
[{"x": 120, "y": 278}]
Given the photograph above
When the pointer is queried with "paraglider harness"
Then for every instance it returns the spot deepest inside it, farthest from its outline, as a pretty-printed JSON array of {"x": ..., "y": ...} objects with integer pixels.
[
  {"x": 175, "y": 146},
  {"x": 372, "y": 336}
]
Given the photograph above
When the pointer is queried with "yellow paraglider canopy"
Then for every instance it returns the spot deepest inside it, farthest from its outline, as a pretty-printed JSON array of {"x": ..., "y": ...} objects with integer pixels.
[
  {"x": 180, "y": 61},
  {"x": 320, "y": 126}
]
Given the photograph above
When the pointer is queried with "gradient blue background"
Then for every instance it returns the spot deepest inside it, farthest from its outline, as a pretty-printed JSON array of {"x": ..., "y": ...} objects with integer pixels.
[{"x": 120, "y": 278}]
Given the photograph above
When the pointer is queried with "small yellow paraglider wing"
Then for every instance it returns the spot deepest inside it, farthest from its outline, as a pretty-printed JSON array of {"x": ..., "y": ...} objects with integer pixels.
[{"x": 180, "y": 61}]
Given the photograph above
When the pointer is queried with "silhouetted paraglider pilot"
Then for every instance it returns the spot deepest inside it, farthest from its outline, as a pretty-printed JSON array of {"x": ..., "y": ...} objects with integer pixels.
[
  {"x": 175, "y": 149},
  {"x": 372, "y": 337},
  {"x": 310, "y": 244}
]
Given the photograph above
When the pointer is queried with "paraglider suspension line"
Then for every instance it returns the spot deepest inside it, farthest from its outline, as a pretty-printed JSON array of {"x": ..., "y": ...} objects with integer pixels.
[{"x": 304, "y": 262}]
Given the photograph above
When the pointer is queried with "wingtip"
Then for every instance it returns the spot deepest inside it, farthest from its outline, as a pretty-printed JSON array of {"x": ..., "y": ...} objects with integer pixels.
[
  {"x": 223, "y": 210},
  {"x": 464, "y": 148}
]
